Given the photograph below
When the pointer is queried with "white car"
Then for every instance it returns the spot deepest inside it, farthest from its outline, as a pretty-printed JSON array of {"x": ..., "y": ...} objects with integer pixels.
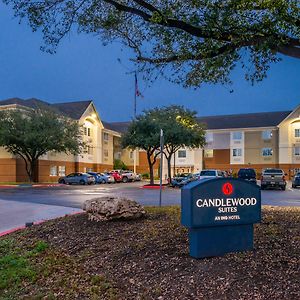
[{"x": 204, "y": 174}]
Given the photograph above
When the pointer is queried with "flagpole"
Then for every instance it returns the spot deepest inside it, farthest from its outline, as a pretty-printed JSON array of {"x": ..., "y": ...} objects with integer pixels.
[{"x": 135, "y": 88}]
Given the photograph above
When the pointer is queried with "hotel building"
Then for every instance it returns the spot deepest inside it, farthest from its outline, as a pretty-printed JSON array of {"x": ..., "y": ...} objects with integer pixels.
[{"x": 256, "y": 140}]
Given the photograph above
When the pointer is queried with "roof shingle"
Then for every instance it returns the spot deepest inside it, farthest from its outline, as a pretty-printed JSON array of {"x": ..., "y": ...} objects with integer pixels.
[
  {"x": 251, "y": 120},
  {"x": 73, "y": 110}
]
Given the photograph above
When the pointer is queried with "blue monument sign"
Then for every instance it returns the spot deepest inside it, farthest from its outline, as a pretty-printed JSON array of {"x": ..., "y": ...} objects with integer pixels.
[{"x": 219, "y": 214}]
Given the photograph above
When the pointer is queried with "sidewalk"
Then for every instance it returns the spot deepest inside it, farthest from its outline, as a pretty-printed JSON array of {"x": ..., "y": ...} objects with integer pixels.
[{"x": 15, "y": 214}]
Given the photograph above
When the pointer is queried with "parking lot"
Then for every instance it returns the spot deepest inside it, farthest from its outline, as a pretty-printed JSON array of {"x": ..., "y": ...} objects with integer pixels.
[
  {"x": 26, "y": 204},
  {"x": 75, "y": 195}
]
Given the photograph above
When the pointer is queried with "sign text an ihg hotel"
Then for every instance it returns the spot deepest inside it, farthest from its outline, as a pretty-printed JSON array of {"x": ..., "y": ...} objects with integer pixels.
[{"x": 220, "y": 214}]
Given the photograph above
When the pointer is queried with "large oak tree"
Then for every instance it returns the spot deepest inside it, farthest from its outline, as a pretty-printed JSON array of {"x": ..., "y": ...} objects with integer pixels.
[
  {"x": 191, "y": 41},
  {"x": 30, "y": 134},
  {"x": 181, "y": 130}
]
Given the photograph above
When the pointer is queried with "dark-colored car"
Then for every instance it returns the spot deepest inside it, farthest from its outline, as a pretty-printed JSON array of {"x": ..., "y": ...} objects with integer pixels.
[
  {"x": 247, "y": 174},
  {"x": 182, "y": 179},
  {"x": 77, "y": 178},
  {"x": 296, "y": 180}
]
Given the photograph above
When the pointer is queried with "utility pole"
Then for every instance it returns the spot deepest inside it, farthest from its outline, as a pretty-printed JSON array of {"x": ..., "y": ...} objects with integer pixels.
[{"x": 161, "y": 164}]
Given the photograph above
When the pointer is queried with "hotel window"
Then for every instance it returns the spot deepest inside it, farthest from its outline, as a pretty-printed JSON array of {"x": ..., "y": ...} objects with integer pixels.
[
  {"x": 131, "y": 154},
  {"x": 297, "y": 133},
  {"x": 297, "y": 151},
  {"x": 237, "y": 135},
  {"x": 181, "y": 153},
  {"x": 117, "y": 155},
  {"x": 267, "y": 152},
  {"x": 89, "y": 131},
  {"x": 237, "y": 152},
  {"x": 105, "y": 136},
  {"x": 90, "y": 150},
  {"x": 105, "y": 153},
  {"x": 209, "y": 137},
  {"x": 267, "y": 134},
  {"x": 61, "y": 170},
  {"x": 208, "y": 153},
  {"x": 84, "y": 130},
  {"x": 53, "y": 171}
]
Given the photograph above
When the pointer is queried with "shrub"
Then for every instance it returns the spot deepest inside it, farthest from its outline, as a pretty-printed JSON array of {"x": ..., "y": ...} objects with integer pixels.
[{"x": 119, "y": 165}]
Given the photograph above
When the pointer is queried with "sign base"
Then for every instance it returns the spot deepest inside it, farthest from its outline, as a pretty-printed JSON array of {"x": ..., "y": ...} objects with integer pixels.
[{"x": 216, "y": 241}]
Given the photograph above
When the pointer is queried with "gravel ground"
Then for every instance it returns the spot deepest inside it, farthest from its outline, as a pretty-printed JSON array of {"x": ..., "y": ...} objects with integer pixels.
[{"x": 148, "y": 259}]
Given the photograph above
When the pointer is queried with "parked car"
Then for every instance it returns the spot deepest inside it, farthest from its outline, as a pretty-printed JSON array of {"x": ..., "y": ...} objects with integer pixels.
[
  {"x": 127, "y": 175},
  {"x": 138, "y": 177},
  {"x": 182, "y": 179},
  {"x": 77, "y": 178},
  {"x": 247, "y": 174},
  {"x": 102, "y": 178},
  {"x": 107, "y": 178},
  {"x": 296, "y": 180},
  {"x": 210, "y": 174},
  {"x": 117, "y": 176},
  {"x": 273, "y": 178}
]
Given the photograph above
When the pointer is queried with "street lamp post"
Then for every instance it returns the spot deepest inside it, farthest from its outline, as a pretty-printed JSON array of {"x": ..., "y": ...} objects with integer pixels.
[{"x": 161, "y": 164}]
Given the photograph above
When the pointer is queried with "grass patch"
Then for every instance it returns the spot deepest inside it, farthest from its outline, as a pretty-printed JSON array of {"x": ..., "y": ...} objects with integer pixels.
[{"x": 15, "y": 264}]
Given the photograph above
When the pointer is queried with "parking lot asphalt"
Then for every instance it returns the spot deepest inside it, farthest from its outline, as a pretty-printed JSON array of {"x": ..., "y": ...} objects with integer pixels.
[{"x": 26, "y": 204}]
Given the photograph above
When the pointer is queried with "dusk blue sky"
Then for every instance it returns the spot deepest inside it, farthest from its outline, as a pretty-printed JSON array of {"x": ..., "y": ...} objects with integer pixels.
[{"x": 83, "y": 69}]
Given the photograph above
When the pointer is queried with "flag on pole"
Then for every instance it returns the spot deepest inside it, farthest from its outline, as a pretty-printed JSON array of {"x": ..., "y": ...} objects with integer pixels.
[{"x": 137, "y": 91}]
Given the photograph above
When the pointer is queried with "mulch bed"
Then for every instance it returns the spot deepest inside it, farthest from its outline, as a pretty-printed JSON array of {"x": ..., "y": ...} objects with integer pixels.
[{"x": 149, "y": 259}]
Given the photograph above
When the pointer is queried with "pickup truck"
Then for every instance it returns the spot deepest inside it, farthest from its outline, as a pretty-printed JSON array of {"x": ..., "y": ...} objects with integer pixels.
[
  {"x": 125, "y": 175},
  {"x": 273, "y": 178}
]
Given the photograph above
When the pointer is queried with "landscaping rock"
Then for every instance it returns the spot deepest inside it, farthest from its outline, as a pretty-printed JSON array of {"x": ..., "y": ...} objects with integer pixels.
[{"x": 112, "y": 208}]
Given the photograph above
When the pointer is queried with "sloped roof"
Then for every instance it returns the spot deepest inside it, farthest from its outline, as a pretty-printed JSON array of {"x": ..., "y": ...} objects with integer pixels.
[
  {"x": 116, "y": 126},
  {"x": 73, "y": 110},
  {"x": 252, "y": 120},
  {"x": 32, "y": 102}
]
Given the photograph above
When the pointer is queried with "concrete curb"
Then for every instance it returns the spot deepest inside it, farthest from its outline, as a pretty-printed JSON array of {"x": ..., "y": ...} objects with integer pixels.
[
  {"x": 6, "y": 232},
  {"x": 3, "y": 186}
]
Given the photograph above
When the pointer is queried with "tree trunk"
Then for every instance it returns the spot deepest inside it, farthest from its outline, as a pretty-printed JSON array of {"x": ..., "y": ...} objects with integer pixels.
[
  {"x": 150, "y": 168},
  {"x": 30, "y": 169},
  {"x": 169, "y": 167}
]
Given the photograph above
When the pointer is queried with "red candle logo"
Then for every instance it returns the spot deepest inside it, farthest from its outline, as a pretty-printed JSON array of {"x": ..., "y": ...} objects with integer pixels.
[{"x": 227, "y": 189}]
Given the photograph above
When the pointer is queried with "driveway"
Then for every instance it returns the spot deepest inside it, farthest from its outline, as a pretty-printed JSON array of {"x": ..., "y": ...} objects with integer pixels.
[{"x": 20, "y": 205}]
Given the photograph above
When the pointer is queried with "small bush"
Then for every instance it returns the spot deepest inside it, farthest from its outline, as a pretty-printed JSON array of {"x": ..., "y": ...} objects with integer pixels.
[{"x": 146, "y": 175}]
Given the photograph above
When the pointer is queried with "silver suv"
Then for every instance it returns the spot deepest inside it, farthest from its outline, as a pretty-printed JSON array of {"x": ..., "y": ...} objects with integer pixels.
[
  {"x": 205, "y": 174},
  {"x": 273, "y": 178}
]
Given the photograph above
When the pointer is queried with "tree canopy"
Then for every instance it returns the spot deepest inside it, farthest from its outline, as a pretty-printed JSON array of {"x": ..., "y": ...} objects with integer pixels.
[
  {"x": 181, "y": 129},
  {"x": 30, "y": 134},
  {"x": 191, "y": 41}
]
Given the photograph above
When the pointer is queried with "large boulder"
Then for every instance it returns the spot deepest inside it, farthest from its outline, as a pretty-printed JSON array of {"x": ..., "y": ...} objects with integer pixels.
[{"x": 112, "y": 208}]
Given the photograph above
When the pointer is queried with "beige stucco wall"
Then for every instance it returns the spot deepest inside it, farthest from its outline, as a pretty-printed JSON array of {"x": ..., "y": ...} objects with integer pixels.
[
  {"x": 287, "y": 141},
  {"x": 108, "y": 145},
  {"x": 254, "y": 143},
  {"x": 125, "y": 157},
  {"x": 5, "y": 154}
]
